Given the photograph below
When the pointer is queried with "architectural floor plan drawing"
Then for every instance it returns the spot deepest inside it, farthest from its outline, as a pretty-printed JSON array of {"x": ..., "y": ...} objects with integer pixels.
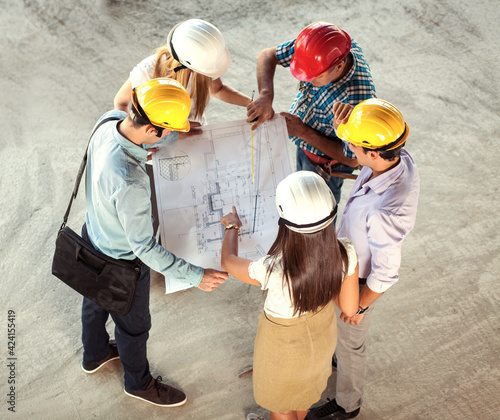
[{"x": 199, "y": 179}]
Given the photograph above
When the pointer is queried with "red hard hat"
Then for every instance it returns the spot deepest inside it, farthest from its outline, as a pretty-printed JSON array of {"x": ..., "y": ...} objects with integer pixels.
[{"x": 318, "y": 48}]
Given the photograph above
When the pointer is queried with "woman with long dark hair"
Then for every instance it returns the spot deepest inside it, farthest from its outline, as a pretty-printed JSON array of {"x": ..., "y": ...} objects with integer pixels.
[{"x": 306, "y": 270}]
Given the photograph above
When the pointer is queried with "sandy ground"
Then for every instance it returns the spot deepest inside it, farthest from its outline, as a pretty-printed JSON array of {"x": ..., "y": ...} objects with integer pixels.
[{"x": 434, "y": 345}]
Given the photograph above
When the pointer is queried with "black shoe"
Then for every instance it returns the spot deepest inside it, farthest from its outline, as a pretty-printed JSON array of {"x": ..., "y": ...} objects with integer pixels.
[
  {"x": 95, "y": 366},
  {"x": 334, "y": 361},
  {"x": 160, "y": 394},
  {"x": 331, "y": 411}
]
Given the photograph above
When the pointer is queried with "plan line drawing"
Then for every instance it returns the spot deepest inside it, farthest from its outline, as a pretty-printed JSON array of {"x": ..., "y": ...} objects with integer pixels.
[{"x": 200, "y": 178}]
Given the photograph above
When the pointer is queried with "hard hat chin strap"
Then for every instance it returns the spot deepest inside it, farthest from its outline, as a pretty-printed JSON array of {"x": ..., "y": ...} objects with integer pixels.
[
  {"x": 176, "y": 58},
  {"x": 142, "y": 113},
  {"x": 395, "y": 144},
  {"x": 286, "y": 222},
  {"x": 179, "y": 68},
  {"x": 159, "y": 131}
]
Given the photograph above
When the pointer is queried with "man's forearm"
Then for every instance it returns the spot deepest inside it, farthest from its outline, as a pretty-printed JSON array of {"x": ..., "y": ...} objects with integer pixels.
[
  {"x": 367, "y": 297},
  {"x": 266, "y": 67},
  {"x": 327, "y": 145}
]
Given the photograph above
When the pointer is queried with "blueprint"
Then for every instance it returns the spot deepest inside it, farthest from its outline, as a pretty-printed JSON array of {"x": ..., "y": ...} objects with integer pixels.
[{"x": 199, "y": 179}]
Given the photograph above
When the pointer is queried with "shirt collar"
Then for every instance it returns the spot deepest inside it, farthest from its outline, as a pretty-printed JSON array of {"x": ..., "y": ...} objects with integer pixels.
[
  {"x": 132, "y": 149},
  {"x": 379, "y": 184}
]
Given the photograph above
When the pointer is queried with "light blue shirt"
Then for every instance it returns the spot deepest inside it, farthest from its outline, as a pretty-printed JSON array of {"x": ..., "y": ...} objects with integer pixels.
[
  {"x": 378, "y": 215},
  {"x": 118, "y": 198}
]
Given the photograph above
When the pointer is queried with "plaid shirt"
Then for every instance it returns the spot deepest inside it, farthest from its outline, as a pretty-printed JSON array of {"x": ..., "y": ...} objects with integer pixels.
[{"x": 314, "y": 104}]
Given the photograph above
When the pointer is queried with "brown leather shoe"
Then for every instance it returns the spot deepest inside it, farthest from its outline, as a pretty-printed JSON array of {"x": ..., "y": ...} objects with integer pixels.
[
  {"x": 160, "y": 394},
  {"x": 95, "y": 366}
]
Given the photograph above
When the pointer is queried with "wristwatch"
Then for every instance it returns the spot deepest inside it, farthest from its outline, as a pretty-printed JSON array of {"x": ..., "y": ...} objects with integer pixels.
[
  {"x": 233, "y": 227},
  {"x": 361, "y": 310}
]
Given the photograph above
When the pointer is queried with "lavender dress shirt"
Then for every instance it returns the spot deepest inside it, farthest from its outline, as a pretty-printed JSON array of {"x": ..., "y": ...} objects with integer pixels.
[{"x": 378, "y": 215}]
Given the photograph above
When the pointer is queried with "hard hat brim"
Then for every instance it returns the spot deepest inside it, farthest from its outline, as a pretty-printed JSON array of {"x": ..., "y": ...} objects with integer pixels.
[
  {"x": 344, "y": 135},
  {"x": 184, "y": 127},
  {"x": 298, "y": 74}
]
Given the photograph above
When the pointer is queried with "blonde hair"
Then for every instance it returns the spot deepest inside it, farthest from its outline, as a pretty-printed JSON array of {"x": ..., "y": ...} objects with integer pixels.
[{"x": 200, "y": 84}]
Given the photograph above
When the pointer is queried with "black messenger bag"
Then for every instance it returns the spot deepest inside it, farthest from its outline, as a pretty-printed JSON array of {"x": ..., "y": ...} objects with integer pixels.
[{"x": 108, "y": 282}]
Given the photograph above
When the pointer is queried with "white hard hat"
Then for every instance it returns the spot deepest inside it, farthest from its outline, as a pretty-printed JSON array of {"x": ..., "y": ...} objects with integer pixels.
[
  {"x": 305, "y": 202},
  {"x": 199, "y": 46}
]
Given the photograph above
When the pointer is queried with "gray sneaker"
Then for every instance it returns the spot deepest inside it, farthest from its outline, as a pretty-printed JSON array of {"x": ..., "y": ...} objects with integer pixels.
[
  {"x": 95, "y": 366},
  {"x": 160, "y": 394}
]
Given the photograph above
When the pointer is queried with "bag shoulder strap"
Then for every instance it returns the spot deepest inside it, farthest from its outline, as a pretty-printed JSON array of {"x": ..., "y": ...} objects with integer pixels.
[{"x": 81, "y": 170}]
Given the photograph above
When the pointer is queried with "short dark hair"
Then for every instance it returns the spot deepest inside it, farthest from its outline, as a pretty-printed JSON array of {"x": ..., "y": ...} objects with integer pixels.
[
  {"x": 389, "y": 155},
  {"x": 341, "y": 61},
  {"x": 137, "y": 120}
]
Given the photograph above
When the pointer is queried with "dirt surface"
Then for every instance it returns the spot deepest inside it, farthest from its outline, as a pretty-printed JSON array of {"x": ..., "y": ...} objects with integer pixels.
[{"x": 434, "y": 345}]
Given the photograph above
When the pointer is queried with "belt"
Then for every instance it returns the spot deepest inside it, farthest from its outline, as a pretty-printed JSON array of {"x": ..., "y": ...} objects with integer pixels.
[
  {"x": 320, "y": 160},
  {"x": 327, "y": 167}
]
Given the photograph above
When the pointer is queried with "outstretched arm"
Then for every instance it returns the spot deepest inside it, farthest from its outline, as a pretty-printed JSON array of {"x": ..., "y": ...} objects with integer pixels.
[
  {"x": 212, "y": 279},
  {"x": 226, "y": 93},
  {"x": 234, "y": 265},
  {"x": 261, "y": 109}
]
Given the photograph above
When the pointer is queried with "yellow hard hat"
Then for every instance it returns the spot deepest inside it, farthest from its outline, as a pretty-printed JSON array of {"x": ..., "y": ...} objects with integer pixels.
[
  {"x": 375, "y": 124},
  {"x": 164, "y": 102}
]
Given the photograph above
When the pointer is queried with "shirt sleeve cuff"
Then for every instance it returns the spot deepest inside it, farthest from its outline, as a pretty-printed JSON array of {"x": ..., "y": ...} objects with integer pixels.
[
  {"x": 196, "y": 275},
  {"x": 378, "y": 286}
]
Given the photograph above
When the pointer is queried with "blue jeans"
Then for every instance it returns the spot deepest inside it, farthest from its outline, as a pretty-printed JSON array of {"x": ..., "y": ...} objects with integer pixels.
[
  {"x": 335, "y": 184},
  {"x": 131, "y": 333}
]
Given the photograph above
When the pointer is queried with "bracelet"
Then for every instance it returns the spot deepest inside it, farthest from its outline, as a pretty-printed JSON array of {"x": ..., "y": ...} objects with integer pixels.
[{"x": 233, "y": 227}]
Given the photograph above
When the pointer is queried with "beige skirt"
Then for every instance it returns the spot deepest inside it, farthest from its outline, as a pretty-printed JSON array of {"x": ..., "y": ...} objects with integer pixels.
[{"x": 293, "y": 359}]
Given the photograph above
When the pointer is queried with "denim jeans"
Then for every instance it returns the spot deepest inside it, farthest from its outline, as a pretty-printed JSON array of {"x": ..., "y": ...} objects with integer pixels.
[
  {"x": 131, "y": 333},
  {"x": 335, "y": 184}
]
